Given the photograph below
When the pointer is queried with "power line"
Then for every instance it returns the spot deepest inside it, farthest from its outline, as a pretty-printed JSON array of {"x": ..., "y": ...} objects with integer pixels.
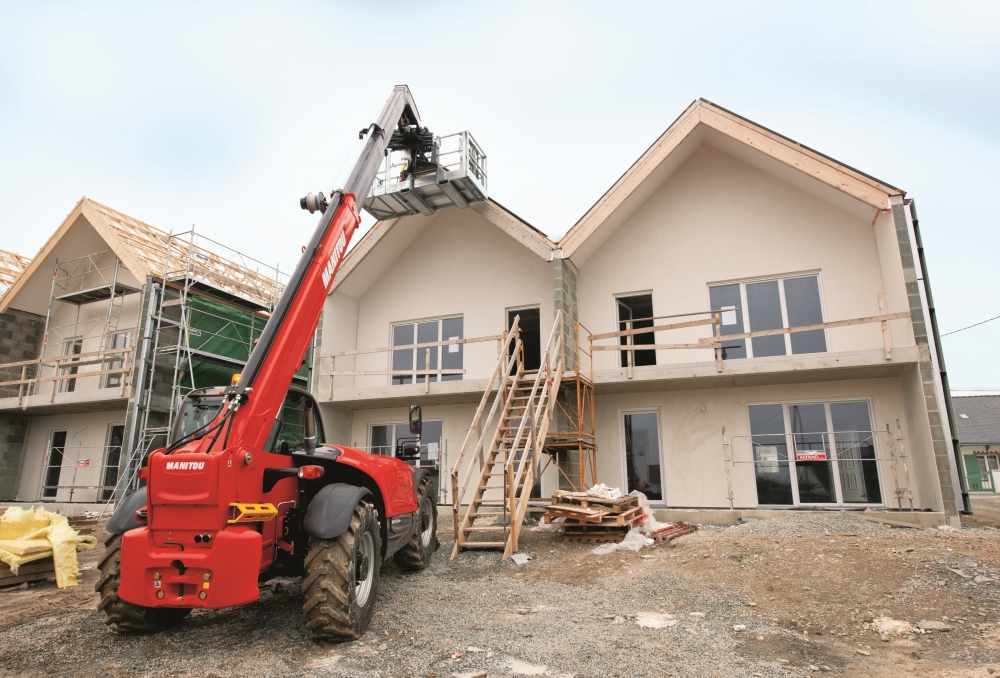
[{"x": 970, "y": 326}]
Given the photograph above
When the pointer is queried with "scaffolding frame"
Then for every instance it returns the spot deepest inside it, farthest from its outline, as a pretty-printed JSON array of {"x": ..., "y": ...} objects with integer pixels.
[{"x": 168, "y": 359}]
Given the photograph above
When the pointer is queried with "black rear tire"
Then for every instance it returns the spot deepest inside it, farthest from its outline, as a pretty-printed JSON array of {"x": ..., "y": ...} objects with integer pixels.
[
  {"x": 417, "y": 553},
  {"x": 342, "y": 576},
  {"x": 122, "y": 616}
]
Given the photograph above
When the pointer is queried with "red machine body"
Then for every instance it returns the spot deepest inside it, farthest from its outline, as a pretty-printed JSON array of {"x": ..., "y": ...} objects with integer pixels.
[{"x": 220, "y": 509}]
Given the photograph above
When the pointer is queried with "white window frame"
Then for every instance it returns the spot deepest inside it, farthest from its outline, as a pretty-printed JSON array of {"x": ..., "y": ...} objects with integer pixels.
[
  {"x": 618, "y": 325},
  {"x": 440, "y": 352},
  {"x": 826, "y": 402},
  {"x": 745, "y": 311},
  {"x": 624, "y": 462},
  {"x": 45, "y": 463}
]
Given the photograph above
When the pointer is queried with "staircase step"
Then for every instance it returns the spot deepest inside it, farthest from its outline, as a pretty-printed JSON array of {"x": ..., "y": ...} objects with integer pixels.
[
  {"x": 487, "y": 528},
  {"x": 482, "y": 544}
]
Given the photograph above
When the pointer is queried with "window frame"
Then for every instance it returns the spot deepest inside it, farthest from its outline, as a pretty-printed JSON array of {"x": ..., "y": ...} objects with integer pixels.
[
  {"x": 414, "y": 372},
  {"x": 745, "y": 311},
  {"x": 392, "y": 448},
  {"x": 616, "y": 306},
  {"x": 45, "y": 463},
  {"x": 623, "y": 456},
  {"x": 832, "y": 454}
]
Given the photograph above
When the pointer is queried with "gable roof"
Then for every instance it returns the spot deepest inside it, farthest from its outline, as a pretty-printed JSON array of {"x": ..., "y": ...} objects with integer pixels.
[
  {"x": 981, "y": 423},
  {"x": 12, "y": 265},
  {"x": 492, "y": 211},
  {"x": 702, "y": 113},
  {"x": 143, "y": 249}
]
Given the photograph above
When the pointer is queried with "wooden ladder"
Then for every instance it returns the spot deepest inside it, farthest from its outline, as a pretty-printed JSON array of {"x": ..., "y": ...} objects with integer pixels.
[{"x": 506, "y": 469}]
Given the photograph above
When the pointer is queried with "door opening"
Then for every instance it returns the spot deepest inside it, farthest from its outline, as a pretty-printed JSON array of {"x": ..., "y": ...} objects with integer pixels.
[
  {"x": 531, "y": 335},
  {"x": 636, "y": 312},
  {"x": 642, "y": 454}
]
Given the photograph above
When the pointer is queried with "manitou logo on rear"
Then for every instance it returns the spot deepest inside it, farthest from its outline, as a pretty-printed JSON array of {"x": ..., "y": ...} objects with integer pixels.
[
  {"x": 331, "y": 265},
  {"x": 185, "y": 465}
]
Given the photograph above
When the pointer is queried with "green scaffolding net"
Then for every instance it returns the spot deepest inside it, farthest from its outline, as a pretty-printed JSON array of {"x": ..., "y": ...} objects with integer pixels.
[{"x": 218, "y": 335}]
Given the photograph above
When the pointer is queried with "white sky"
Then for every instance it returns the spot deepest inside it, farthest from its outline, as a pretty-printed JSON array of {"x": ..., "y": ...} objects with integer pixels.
[{"x": 222, "y": 114}]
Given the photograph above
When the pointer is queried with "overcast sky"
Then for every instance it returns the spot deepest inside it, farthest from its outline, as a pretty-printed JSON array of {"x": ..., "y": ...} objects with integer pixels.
[{"x": 222, "y": 114}]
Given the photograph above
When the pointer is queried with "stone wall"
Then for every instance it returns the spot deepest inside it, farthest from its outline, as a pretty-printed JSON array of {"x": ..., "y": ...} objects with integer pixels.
[{"x": 20, "y": 339}]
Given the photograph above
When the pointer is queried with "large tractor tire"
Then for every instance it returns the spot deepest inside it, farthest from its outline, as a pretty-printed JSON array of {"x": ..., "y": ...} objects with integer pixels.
[
  {"x": 342, "y": 578},
  {"x": 416, "y": 555},
  {"x": 122, "y": 616}
]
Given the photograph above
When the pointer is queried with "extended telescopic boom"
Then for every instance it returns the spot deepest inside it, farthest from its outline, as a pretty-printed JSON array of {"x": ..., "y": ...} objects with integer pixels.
[{"x": 256, "y": 398}]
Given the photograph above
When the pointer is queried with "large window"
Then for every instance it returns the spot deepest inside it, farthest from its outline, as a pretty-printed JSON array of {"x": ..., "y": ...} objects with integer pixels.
[
  {"x": 642, "y": 454},
  {"x": 118, "y": 340},
  {"x": 769, "y": 305},
  {"x": 408, "y": 363},
  {"x": 385, "y": 436},
  {"x": 53, "y": 464},
  {"x": 814, "y": 453}
]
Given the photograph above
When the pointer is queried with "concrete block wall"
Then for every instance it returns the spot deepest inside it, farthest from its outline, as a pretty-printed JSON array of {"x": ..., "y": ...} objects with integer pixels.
[
  {"x": 13, "y": 432},
  {"x": 21, "y": 335}
]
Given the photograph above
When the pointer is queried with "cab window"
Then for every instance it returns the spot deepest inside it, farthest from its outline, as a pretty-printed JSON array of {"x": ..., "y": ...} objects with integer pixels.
[{"x": 293, "y": 427}]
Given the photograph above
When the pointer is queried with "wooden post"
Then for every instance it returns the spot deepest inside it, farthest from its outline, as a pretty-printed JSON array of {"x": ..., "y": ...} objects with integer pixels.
[
  {"x": 718, "y": 344},
  {"x": 455, "y": 501},
  {"x": 886, "y": 341},
  {"x": 631, "y": 352},
  {"x": 20, "y": 387},
  {"x": 333, "y": 368},
  {"x": 55, "y": 381},
  {"x": 427, "y": 367},
  {"x": 512, "y": 493}
]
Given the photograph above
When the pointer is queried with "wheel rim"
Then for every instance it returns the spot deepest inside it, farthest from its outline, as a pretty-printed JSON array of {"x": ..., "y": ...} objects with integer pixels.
[
  {"x": 426, "y": 521},
  {"x": 364, "y": 570}
]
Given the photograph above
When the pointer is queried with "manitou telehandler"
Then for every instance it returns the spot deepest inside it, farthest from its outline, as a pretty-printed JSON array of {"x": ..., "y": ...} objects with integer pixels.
[{"x": 248, "y": 488}]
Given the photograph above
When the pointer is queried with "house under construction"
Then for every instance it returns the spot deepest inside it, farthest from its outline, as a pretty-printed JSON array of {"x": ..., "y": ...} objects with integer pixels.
[
  {"x": 126, "y": 319},
  {"x": 739, "y": 324}
]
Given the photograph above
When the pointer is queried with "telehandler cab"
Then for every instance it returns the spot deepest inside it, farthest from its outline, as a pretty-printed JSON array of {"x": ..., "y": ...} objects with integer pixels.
[{"x": 249, "y": 488}]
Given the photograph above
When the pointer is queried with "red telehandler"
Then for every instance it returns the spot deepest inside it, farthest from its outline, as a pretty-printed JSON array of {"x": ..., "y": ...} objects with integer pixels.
[{"x": 248, "y": 489}]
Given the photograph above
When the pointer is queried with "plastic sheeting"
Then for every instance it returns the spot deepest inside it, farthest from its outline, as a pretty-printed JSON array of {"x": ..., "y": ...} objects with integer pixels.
[{"x": 26, "y": 536}]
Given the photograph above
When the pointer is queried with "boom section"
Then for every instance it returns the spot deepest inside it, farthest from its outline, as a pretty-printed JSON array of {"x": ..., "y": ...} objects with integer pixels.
[{"x": 254, "y": 400}]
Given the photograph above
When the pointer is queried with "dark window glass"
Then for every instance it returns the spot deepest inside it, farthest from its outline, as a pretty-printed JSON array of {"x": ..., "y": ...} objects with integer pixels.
[
  {"x": 402, "y": 335},
  {"x": 803, "y": 308},
  {"x": 292, "y": 432},
  {"x": 452, "y": 355},
  {"x": 855, "y": 453},
  {"x": 111, "y": 461},
  {"x": 427, "y": 358},
  {"x": 381, "y": 443},
  {"x": 764, "y": 311},
  {"x": 53, "y": 466},
  {"x": 727, "y": 298},
  {"x": 814, "y": 470},
  {"x": 642, "y": 455},
  {"x": 635, "y": 313},
  {"x": 770, "y": 455},
  {"x": 119, "y": 340},
  {"x": 531, "y": 335}
]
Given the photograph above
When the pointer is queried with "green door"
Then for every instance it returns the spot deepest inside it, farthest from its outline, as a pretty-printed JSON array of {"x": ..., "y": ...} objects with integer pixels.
[{"x": 974, "y": 474}]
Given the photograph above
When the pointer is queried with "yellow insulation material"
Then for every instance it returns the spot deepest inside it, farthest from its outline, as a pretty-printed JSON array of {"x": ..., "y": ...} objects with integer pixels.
[{"x": 32, "y": 535}]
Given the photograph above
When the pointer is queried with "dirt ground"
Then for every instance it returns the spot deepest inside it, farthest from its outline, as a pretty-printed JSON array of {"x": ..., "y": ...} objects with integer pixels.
[{"x": 807, "y": 602}]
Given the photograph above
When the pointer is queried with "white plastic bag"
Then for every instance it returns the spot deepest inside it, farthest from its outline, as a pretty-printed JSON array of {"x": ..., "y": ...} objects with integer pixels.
[
  {"x": 633, "y": 541},
  {"x": 649, "y": 523},
  {"x": 604, "y": 492}
]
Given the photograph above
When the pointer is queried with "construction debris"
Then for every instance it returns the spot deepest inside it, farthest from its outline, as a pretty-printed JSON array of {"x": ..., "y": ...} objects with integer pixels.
[
  {"x": 595, "y": 518},
  {"x": 669, "y": 532},
  {"x": 39, "y": 544}
]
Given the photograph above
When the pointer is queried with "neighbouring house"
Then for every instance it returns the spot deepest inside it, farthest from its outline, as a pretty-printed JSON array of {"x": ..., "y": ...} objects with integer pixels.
[
  {"x": 105, "y": 330},
  {"x": 11, "y": 265},
  {"x": 744, "y": 323},
  {"x": 978, "y": 419}
]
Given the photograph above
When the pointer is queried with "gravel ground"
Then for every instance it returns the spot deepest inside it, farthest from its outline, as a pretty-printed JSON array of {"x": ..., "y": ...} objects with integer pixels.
[
  {"x": 808, "y": 523},
  {"x": 802, "y": 585}
]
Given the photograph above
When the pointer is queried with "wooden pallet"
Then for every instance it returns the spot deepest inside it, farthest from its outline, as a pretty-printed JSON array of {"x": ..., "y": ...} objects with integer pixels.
[
  {"x": 37, "y": 570},
  {"x": 560, "y": 497},
  {"x": 571, "y": 512}
]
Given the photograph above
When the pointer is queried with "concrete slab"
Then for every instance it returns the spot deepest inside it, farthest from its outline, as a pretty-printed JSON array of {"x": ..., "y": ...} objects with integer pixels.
[{"x": 919, "y": 519}]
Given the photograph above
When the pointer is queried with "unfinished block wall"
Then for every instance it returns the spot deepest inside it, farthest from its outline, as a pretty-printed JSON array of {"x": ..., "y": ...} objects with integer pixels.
[
  {"x": 564, "y": 281},
  {"x": 13, "y": 431},
  {"x": 20, "y": 339}
]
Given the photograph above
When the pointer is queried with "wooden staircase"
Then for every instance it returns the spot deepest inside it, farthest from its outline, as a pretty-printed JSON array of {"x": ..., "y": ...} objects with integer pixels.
[{"x": 505, "y": 469}]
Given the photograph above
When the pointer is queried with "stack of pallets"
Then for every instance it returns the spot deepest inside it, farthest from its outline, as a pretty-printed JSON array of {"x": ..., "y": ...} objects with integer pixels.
[
  {"x": 36, "y": 570},
  {"x": 594, "y": 519}
]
